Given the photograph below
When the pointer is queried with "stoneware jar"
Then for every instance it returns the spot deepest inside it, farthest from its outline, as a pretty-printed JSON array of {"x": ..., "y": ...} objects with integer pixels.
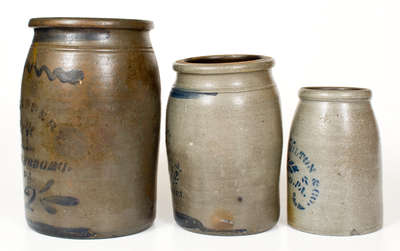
[
  {"x": 90, "y": 116},
  {"x": 224, "y": 143},
  {"x": 334, "y": 163}
]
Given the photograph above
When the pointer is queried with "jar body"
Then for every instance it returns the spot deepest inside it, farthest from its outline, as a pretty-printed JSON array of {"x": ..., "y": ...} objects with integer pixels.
[
  {"x": 90, "y": 115},
  {"x": 334, "y": 168},
  {"x": 224, "y": 152}
]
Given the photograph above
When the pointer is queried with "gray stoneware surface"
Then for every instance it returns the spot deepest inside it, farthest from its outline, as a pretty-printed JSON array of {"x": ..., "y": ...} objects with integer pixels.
[
  {"x": 334, "y": 163},
  {"x": 224, "y": 143}
]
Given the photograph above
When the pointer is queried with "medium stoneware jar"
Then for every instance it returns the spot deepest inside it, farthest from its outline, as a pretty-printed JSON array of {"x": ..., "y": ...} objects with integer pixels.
[
  {"x": 334, "y": 163},
  {"x": 224, "y": 144},
  {"x": 90, "y": 116}
]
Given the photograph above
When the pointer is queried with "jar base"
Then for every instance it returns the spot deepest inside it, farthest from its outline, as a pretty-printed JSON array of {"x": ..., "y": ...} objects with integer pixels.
[
  {"x": 80, "y": 233},
  {"x": 352, "y": 232},
  {"x": 234, "y": 232}
]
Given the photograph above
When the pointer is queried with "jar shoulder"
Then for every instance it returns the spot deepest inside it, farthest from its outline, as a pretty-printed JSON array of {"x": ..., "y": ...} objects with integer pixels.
[{"x": 352, "y": 122}]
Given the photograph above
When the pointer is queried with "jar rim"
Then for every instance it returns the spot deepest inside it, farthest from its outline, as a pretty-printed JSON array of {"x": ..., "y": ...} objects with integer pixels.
[
  {"x": 80, "y": 22},
  {"x": 224, "y": 63},
  {"x": 334, "y": 93}
]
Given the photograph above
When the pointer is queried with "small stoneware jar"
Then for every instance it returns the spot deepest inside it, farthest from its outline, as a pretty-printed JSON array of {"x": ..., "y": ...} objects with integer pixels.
[
  {"x": 224, "y": 143},
  {"x": 90, "y": 119},
  {"x": 334, "y": 163}
]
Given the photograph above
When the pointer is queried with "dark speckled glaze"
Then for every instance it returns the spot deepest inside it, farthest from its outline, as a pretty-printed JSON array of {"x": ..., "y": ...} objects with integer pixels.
[{"x": 90, "y": 117}]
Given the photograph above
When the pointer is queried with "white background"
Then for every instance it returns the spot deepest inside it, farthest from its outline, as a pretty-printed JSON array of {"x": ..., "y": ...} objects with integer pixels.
[{"x": 345, "y": 43}]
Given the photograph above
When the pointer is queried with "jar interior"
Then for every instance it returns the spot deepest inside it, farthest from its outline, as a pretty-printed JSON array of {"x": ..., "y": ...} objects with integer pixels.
[
  {"x": 334, "y": 88},
  {"x": 223, "y": 59}
]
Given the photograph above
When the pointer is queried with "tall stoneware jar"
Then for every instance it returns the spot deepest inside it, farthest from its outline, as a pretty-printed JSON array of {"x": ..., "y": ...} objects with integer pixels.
[
  {"x": 224, "y": 143},
  {"x": 334, "y": 163},
  {"x": 90, "y": 116}
]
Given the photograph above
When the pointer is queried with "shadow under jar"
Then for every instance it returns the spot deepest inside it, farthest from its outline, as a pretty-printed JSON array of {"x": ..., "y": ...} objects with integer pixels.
[
  {"x": 224, "y": 144},
  {"x": 90, "y": 117},
  {"x": 334, "y": 163}
]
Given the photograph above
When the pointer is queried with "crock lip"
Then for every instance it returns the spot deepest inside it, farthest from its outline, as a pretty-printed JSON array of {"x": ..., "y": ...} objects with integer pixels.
[
  {"x": 261, "y": 63},
  {"x": 83, "y": 22},
  {"x": 334, "y": 93}
]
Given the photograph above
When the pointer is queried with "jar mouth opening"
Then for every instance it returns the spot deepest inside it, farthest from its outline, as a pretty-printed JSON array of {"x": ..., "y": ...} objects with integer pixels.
[
  {"x": 334, "y": 93},
  {"x": 100, "y": 23},
  {"x": 221, "y": 64},
  {"x": 329, "y": 88},
  {"x": 222, "y": 59}
]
